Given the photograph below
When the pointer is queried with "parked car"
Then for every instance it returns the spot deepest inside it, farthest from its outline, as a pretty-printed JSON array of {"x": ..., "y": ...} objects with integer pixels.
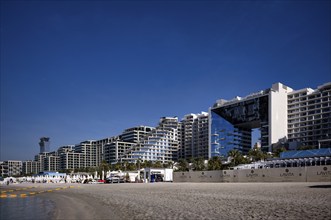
[{"x": 114, "y": 179}]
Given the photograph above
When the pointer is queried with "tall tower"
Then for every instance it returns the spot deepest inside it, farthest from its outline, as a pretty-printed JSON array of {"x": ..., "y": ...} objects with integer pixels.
[{"x": 44, "y": 144}]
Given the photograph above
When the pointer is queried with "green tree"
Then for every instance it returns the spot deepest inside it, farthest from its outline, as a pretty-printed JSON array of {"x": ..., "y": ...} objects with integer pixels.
[
  {"x": 158, "y": 164},
  {"x": 125, "y": 165},
  {"x": 138, "y": 164},
  {"x": 199, "y": 164},
  {"x": 131, "y": 167},
  {"x": 117, "y": 166},
  {"x": 278, "y": 150},
  {"x": 237, "y": 158},
  {"x": 256, "y": 154},
  {"x": 147, "y": 163},
  {"x": 214, "y": 163},
  {"x": 92, "y": 169},
  {"x": 234, "y": 154},
  {"x": 168, "y": 165},
  {"x": 104, "y": 166},
  {"x": 182, "y": 165}
]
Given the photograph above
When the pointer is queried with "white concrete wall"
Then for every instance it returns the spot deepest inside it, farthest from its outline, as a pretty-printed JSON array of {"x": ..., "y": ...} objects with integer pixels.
[
  {"x": 290, "y": 174},
  {"x": 278, "y": 112}
]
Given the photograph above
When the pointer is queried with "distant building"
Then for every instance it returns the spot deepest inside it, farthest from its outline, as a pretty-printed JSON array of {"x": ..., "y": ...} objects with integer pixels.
[
  {"x": 44, "y": 144},
  {"x": 71, "y": 161},
  {"x": 194, "y": 136},
  {"x": 52, "y": 163},
  {"x": 30, "y": 167},
  {"x": 118, "y": 147},
  {"x": 116, "y": 150},
  {"x": 90, "y": 154},
  {"x": 40, "y": 158},
  {"x": 11, "y": 168},
  {"x": 161, "y": 144}
]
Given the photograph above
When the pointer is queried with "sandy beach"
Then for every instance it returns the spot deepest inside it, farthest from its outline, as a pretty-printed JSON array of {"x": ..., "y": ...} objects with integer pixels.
[{"x": 187, "y": 200}]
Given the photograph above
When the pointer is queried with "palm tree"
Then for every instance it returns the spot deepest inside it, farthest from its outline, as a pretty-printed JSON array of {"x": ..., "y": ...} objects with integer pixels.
[
  {"x": 256, "y": 154},
  {"x": 147, "y": 163},
  {"x": 117, "y": 166},
  {"x": 131, "y": 166},
  {"x": 278, "y": 150},
  {"x": 182, "y": 165},
  {"x": 158, "y": 164},
  {"x": 104, "y": 166},
  {"x": 138, "y": 164},
  {"x": 168, "y": 165},
  {"x": 236, "y": 157},
  {"x": 214, "y": 163},
  {"x": 199, "y": 164}
]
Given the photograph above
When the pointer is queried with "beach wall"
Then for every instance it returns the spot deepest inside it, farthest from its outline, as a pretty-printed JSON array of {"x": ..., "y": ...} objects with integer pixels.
[{"x": 286, "y": 174}]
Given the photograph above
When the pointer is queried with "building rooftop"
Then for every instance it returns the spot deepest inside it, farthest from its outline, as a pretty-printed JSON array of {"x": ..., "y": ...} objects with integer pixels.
[{"x": 323, "y": 152}]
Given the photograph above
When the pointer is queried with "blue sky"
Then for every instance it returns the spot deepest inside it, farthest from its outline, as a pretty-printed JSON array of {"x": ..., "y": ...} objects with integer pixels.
[{"x": 80, "y": 70}]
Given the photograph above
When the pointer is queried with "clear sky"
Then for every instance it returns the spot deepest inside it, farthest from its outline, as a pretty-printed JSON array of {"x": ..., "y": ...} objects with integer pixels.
[{"x": 81, "y": 70}]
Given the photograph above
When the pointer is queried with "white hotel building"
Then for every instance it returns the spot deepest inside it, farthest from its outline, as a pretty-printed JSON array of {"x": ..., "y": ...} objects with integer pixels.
[
  {"x": 193, "y": 136},
  {"x": 309, "y": 116},
  {"x": 161, "y": 144},
  {"x": 282, "y": 115}
]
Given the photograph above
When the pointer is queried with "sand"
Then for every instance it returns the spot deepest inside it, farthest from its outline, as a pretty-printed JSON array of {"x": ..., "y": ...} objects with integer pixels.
[{"x": 190, "y": 201}]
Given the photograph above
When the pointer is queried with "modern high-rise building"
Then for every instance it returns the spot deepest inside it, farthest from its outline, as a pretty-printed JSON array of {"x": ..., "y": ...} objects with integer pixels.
[
  {"x": 309, "y": 117},
  {"x": 193, "y": 136},
  {"x": 71, "y": 160},
  {"x": 161, "y": 144},
  {"x": 135, "y": 134},
  {"x": 90, "y": 153},
  {"x": 116, "y": 150},
  {"x": 281, "y": 115},
  {"x": 52, "y": 163}
]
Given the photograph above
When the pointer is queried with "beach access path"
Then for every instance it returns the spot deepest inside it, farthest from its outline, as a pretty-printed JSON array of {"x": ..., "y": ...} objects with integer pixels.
[{"x": 188, "y": 200}]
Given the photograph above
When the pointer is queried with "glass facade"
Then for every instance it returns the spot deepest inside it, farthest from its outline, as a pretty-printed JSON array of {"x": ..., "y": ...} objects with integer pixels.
[
  {"x": 225, "y": 137},
  {"x": 232, "y": 124}
]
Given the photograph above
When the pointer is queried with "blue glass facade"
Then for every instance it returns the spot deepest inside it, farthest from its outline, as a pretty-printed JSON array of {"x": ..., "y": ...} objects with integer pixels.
[
  {"x": 232, "y": 124},
  {"x": 225, "y": 137}
]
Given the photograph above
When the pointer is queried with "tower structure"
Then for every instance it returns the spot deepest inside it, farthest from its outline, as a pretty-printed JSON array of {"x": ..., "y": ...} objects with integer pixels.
[{"x": 44, "y": 144}]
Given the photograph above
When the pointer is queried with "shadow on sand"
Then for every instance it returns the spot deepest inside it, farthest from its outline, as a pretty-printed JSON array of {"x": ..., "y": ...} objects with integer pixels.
[{"x": 320, "y": 186}]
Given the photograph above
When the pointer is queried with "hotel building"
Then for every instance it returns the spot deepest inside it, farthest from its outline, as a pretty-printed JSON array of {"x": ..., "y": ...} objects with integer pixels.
[
  {"x": 30, "y": 167},
  {"x": 193, "y": 136},
  {"x": 309, "y": 117},
  {"x": 135, "y": 134},
  {"x": 297, "y": 118},
  {"x": 161, "y": 144}
]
